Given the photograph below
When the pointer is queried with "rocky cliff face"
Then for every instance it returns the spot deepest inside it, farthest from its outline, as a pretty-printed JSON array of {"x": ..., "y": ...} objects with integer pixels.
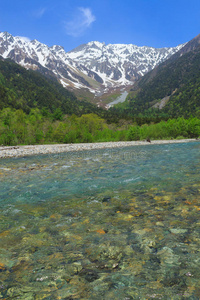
[{"x": 94, "y": 66}]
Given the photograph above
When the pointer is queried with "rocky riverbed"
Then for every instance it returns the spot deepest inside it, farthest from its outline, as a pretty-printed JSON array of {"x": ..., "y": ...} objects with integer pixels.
[{"x": 19, "y": 151}]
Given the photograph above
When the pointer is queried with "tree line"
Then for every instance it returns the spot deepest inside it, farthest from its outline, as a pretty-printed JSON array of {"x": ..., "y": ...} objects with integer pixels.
[{"x": 17, "y": 127}]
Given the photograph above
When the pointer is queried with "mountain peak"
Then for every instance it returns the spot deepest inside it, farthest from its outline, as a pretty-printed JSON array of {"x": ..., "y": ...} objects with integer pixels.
[
  {"x": 96, "y": 44},
  {"x": 6, "y": 36},
  {"x": 57, "y": 48},
  {"x": 191, "y": 45}
]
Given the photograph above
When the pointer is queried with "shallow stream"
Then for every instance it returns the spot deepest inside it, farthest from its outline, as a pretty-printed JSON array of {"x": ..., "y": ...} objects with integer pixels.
[{"x": 101, "y": 224}]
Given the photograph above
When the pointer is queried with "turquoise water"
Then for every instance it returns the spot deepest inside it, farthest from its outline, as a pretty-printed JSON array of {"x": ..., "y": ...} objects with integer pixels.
[{"x": 107, "y": 224}]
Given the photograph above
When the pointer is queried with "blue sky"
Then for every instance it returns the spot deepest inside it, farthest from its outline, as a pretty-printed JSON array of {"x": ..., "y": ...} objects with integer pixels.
[{"x": 69, "y": 23}]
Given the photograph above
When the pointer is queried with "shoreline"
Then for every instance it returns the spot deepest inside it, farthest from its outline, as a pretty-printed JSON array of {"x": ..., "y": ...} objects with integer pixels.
[{"x": 28, "y": 150}]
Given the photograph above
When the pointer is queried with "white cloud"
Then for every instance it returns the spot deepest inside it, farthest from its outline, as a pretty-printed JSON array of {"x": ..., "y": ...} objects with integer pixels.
[
  {"x": 26, "y": 39},
  {"x": 40, "y": 12},
  {"x": 81, "y": 21}
]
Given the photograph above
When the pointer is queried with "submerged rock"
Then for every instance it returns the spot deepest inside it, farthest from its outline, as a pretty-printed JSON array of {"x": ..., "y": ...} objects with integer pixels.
[
  {"x": 89, "y": 274},
  {"x": 178, "y": 230},
  {"x": 168, "y": 257},
  {"x": 106, "y": 199}
]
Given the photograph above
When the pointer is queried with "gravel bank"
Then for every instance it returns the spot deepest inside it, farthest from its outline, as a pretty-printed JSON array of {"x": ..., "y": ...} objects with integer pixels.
[{"x": 19, "y": 151}]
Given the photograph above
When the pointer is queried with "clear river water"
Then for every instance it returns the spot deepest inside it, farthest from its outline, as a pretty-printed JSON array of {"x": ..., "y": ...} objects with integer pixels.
[
  {"x": 119, "y": 99},
  {"x": 102, "y": 224}
]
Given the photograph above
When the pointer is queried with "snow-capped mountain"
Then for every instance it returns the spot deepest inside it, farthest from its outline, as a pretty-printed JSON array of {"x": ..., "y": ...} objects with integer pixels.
[
  {"x": 94, "y": 66},
  {"x": 119, "y": 62}
]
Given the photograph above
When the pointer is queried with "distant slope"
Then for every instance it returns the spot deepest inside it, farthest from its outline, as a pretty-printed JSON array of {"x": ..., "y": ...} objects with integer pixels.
[
  {"x": 178, "y": 78},
  {"x": 26, "y": 89}
]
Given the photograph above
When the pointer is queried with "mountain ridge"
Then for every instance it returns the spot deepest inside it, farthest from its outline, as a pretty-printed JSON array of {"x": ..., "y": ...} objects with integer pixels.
[
  {"x": 174, "y": 85},
  {"x": 94, "y": 66}
]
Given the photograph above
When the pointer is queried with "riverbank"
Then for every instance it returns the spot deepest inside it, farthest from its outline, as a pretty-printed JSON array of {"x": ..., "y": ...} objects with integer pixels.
[{"x": 20, "y": 151}]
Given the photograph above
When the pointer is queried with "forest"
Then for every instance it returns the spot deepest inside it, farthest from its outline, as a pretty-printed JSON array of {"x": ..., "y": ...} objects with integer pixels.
[{"x": 17, "y": 127}]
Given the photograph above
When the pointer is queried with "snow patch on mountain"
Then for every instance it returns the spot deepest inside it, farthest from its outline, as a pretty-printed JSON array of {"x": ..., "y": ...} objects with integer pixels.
[{"x": 95, "y": 65}]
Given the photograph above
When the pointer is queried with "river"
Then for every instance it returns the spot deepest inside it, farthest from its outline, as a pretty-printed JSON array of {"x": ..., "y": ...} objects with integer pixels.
[
  {"x": 101, "y": 224},
  {"x": 119, "y": 99}
]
